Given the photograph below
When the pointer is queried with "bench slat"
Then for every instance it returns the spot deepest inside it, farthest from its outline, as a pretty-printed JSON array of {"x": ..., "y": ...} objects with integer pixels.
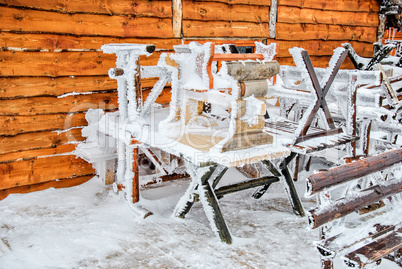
[{"x": 375, "y": 250}]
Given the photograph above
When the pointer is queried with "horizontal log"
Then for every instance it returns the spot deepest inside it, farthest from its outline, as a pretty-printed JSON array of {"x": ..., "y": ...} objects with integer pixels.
[
  {"x": 55, "y": 64},
  {"x": 13, "y": 125},
  {"x": 237, "y": 2},
  {"x": 60, "y": 183},
  {"x": 347, "y": 205},
  {"x": 316, "y": 16},
  {"x": 16, "y": 87},
  {"x": 22, "y": 173},
  {"x": 322, "y": 48},
  {"x": 237, "y": 57},
  {"x": 226, "y": 29},
  {"x": 289, "y": 31},
  {"x": 160, "y": 9},
  {"x": 252, "y": 70},
  {"x": 63, "y": 42},
  {"x": 344, "y": 173},
  {"x": 50, "y": 105},
  {"x": 38, "y": 140},
  {"x": 245, "y": 185},
  {"x": 34, "y": 153},
  {"x": 341, "y": 5},
  {"x": 14, "y": 19},
  {"x": 214, "y": 11},
  {"x": 318, "y": 61}
]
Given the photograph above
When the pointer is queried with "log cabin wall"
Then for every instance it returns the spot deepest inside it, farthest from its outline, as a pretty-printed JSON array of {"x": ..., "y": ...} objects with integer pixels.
[{"x": 52, "y": 69}]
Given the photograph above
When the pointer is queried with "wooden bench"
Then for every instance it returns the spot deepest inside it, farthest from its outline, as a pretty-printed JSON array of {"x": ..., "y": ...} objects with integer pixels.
[{"x": 372, "y": 188}]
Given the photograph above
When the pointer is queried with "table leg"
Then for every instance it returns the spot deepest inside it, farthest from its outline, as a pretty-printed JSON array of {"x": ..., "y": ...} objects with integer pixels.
[
  {"x": 212, "y": 210},
  {"x": 290, "y": 187},
  {"x": 261, "y": 191}
]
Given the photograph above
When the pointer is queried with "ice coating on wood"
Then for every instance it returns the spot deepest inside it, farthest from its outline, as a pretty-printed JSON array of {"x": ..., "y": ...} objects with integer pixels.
[
  {"x": 268, "y": 51},
  {"x": 253, "y": 110}
]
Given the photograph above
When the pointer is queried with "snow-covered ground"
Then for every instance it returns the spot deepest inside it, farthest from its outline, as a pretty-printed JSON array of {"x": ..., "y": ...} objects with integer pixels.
[{"x": 89, "y": 226}]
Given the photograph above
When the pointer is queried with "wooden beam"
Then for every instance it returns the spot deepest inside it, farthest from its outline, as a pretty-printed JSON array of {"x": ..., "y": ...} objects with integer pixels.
[
  {"x": 58, "y": 42},
  {"x": 316, "y": 16},
  {"x": 35, "y": 153},
  {"x": 237, "y": 57},
  {"x": 350, "y": 5},
  {"x": 215, "y": 11},
  {"x": 273, "y": 18},
  {"x": 341, "y": 174},
  {"x": 38, "y": 140},
  {"x": 227, "y": 29},
  {"x": 50, "y": 105},
  {"x": 245, "y": 185},
  {"x": 177, "y": 18},
  {"x": 59, "y": 183},
  {"x": 288, "y": 31},
  {"x": 55, "y": 64},
  {"x": 238, "y": 2},
  {"x": 83, "y": 24},
  {"x": 158, "y": 9},
  {"x": 22, "y": 173}
]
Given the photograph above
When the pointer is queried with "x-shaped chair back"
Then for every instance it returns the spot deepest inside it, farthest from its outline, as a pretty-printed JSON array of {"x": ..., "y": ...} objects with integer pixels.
[{"x": 303, "y": 61}]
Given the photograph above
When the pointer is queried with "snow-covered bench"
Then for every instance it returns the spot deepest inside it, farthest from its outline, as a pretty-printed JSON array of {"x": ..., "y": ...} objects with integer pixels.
[{"x": 372, "y": 188}]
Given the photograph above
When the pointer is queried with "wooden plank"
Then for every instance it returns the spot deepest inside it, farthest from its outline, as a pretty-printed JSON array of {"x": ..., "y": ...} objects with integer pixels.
[
  {"x": 375, "y": 250},
  {"x": 177, "y": 20},
  {"x": 287, "y": 31},
  {"x": 34, "y": 153},
  {"x": 13, "y": 125},
  {"x": 237, "y": 2},
  {"x": 54, "y": 64},
  {"x": 38, "y": 140},
  {"x": 22, "y": 173},
  {"x": 214, "y": 11},
  {"x": 60, "y": 183},
  {"x": 321, "y": 47},
  {"x": 64, "y": 42},
  {"x": 49, "y": 105},
  {"x": 141, "y": 8},
  {"x": 344, "y": 173},
  {"x": 226, "y": 29},
  {"x": 342, "y": 5},
  {"x": 83, "y": 24},
  {"x": 316, "y": 16},
  {"x": 16, "y": 87},
  {"x": 318, "y": 61}
]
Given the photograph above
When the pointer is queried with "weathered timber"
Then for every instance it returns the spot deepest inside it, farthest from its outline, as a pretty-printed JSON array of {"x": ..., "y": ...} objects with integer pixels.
[
  {"x": 252, "y": 70},
  {"x": 37, "y": 140},
  {"x": 338, "y": 175},
  {"x": 54, "y": 42},
  {"x": 318, "y": 61},
  {"x": 219, "y": 29},
  {"x": 239, "y": 2},
  {"x": 245, "y": 185},
  {"x": 169, "y": 177},
  {"x": 215, "y": 11},
  {"x": 344, "y": 206},
  {"x": 13, "y": 125},
  {"x": 135, "y": 183},
  {"x": 371, "y": 252},
  {"x": 83, "y": 24},
  {"x": 55, "y": 64},
  {"x": 34, "y": 153},
  {"x": 350, "y": 5},
  {"x": 158, "y": 9},
  {"x": 316, "y": 16},
  {"x": 290, "y": 187},
  {"x": 319, "y": 134},
  {"x": 237, "y": 57},
  {"x": 209, "y": 201},
  {"x": 59, "y": 183},
  {"x": 11, "y": 87},
  {"x": 288, "y": 31},
  {"x": 177, "y": 20},
  {"x": 321, "y": 47},
  {"x": 50, "y": 105},
  {"x": 21, "y": 173}
]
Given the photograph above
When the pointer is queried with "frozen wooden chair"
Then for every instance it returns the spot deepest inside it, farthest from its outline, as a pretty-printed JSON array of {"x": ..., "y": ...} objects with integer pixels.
[
  {"x": 358, "y": 211},
  {"x": 311, "y": 94},
  {"x": 229, "y": 101}
]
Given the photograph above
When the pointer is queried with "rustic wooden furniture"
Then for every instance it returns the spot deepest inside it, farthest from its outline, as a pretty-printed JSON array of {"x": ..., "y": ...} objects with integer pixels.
[{"x": 372, "y": 183}]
